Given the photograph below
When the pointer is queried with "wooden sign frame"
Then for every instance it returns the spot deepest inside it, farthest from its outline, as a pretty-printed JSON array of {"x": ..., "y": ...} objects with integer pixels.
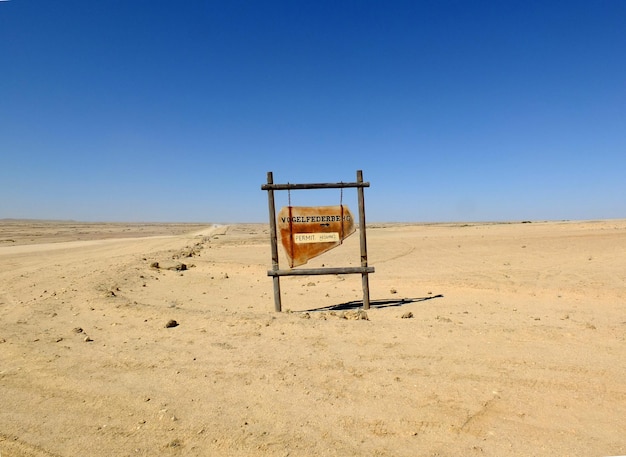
[{"x": 276, "y": 272}]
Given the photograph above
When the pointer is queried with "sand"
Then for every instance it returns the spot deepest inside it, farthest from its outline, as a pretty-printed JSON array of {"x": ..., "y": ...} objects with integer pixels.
[{"x": 482, "y": 340}]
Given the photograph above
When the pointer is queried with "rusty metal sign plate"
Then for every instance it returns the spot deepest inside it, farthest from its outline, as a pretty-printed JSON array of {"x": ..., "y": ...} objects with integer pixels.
[{"x": 308, "y": 231}]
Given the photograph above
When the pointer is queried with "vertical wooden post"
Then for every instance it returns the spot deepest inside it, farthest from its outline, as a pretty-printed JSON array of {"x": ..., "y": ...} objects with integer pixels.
[
  {"x": 364, "y": 277},
  {"x": 275, "y": 266}
]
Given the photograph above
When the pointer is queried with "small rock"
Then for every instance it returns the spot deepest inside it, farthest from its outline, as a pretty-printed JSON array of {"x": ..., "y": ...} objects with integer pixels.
[
  {"x": 175, "y": 443},
  {"x": 87, "y": 339},
  {"x": 171, "y": 323},
  {"x": 393, "y": 291},
  {"x": 407, "y": 315},
  {"x": 356, "y": 315}
]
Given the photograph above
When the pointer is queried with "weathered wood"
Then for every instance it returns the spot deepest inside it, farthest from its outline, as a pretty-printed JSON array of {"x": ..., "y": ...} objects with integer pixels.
[
  {"x": 322, "y": 271},
  {"x": 364, "y": 278},
  {"x": 338, "y": 185},
  {"x": 274, "y": 243}
]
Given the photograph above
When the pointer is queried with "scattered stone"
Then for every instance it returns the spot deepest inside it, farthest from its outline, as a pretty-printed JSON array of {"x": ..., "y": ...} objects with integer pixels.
[
  {"x": 78, "y": 330},
  {"x": 393, "y": 291},
  {"x": 305, "y": 316},
  {"x": 171, "y": 324},
  {"x": 190, "y": 251},
  {"x": 175, "y": 443},
  {"x": 407, "y": 315},
  {"x": 356, "y": 315},
  {"x": 169, "y": 265},
  {"x": 87, "y": 339}
]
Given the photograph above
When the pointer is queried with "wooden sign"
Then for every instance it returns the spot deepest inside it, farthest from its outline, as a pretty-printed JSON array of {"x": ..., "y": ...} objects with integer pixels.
[{"x": 308, "y": 231}]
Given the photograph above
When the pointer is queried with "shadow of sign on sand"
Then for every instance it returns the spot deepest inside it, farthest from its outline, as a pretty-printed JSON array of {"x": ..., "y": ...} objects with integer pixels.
[{"x": 382, "y": 303}]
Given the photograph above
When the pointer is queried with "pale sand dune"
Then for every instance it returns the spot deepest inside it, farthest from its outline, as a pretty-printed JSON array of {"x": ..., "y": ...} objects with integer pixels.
[{"x": 516, "y": 345}]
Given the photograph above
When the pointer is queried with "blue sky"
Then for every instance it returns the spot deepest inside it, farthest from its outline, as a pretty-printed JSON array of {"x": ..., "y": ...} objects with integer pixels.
[{"x": 175, "y": 111}]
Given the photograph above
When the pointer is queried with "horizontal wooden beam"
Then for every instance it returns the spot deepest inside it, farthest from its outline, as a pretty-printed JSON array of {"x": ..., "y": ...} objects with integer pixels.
[
  {"x": 321, "y": 271},
  {"x": 322, "y": 185}
]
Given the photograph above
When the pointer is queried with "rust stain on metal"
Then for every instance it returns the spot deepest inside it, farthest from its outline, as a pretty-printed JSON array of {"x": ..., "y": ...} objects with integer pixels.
[{"x": 308, "y": 231}]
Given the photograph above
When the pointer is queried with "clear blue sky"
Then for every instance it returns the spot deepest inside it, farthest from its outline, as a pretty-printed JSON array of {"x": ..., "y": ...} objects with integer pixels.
[{"x": 133, "y": 110}]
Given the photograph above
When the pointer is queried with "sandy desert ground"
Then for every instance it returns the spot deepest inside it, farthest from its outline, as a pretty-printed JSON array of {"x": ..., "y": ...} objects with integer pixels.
[{"x": 482, "y": 340}]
